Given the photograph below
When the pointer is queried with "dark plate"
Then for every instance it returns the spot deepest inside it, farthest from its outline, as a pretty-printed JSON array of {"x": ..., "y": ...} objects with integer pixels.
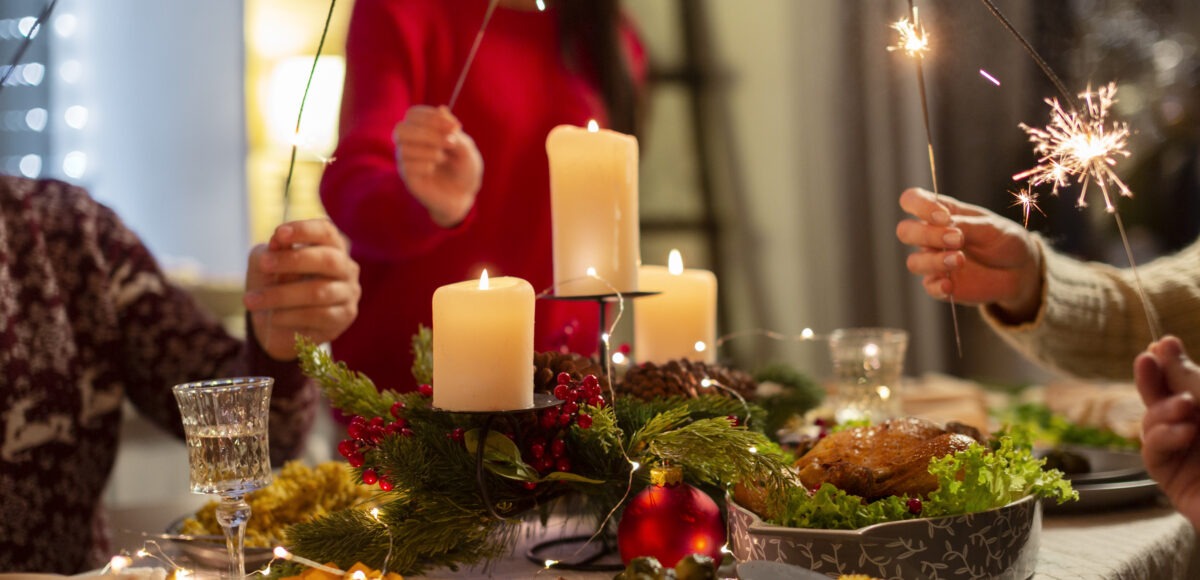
[
  {"x": 1108, "y": 466},
  {"x": 213, "y": 554},
  {"x": 1095, "y": 497}
]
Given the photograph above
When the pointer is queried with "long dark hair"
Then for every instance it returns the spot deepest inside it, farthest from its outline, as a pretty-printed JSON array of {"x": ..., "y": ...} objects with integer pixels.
[{"x": 590, "y": 40}]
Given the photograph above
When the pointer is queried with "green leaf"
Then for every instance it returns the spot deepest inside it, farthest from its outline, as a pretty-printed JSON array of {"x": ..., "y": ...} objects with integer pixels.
[
  {"x": 565, "y": 476},
  {"x": 500, "y": 455}
]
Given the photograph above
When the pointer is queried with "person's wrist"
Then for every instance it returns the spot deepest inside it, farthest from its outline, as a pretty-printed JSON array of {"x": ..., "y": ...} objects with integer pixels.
[
  {"x": 451, "y": 213},
  {"x": 1027, "y": 302}
]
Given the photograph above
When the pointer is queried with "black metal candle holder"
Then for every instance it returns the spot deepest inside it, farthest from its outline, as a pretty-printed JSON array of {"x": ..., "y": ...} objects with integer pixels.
[
  {"x": 602, "y": 301},
  {"x": 540, "y": 401}
]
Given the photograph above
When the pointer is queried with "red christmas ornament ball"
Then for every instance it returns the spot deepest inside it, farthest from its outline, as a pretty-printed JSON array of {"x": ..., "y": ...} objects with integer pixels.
[{"x": 670, "y": 520}]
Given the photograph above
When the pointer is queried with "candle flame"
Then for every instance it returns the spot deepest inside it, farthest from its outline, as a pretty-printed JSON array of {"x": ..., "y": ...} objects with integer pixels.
[
  {"x": 675, "y": 262},
  {"x": 593, "y": 126},
  {"x": 483, "y": 280},
  {"x": 1080, "y": 144}
]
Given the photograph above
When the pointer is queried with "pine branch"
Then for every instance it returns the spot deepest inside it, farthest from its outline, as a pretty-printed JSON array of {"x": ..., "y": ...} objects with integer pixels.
[
  {"x": 350, "y": 391},
  {"x": 422, "y": 351}
]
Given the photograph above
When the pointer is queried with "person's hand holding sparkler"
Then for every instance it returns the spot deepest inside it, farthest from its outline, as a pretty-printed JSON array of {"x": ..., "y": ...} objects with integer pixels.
[
  {"x": 1169, "y": 383},
  {"x": 301, "y": 281},
  {"x": 438, "y": 162},
  {"x": 995, "y": 261}
]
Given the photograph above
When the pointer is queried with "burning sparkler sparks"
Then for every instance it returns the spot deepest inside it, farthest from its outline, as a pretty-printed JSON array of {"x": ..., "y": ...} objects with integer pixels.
[
  {"x": 1027, "y": 199},
  {"x": 913, "y": 40},
  {"x": 1080, "y": 144}
]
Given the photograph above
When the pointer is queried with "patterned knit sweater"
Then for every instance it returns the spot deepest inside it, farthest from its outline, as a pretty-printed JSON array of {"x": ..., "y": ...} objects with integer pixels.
[
  {"x": 88, "y": 320},
  {"x": 1091, "y": 323}
]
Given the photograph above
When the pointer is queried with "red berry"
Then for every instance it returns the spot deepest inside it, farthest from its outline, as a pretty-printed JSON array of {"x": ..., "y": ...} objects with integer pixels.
[
  {"x": 457, "y": 434},
  {"x": 530, "y": 485},
  {"x": 593, "y": 391},
  {"x": 392, "y": 428},
  {"x": 584, "y": 421},
  {"x": 561, "y": 391},
  {"x": 537, "y": 450},
  {"x": 376, "y": 422},
  {"x": 564, "y": 420},
  {"x": 914, "y": 505},
  {"x": 624, "y": 348},
  {"x": 406, "y": 432},
  {"x": 563, "y": 464},
  {"x": 384, "y": 484},
  {"x": 591, "y": 381},
  {"x": 356, "y": 459},
  {"x": 356, "y": 430},
  {"x": 557, "y": 447},
  {"x": 369, "y": 476},
  {"x": 400, "y": 423},
  {"x": 347, "y": 447},
  {"x": 733, "y": 420},
  {"x": 594, "y": 401},
  {"x": 564, "y": 378},
  {"x": 570, "y": 408},
  {"x": 426, "y": 390},
  {"x": 549, "y": 421},
  {"x": 543, "y": 464},
  {"x": 397, "y": 408}
]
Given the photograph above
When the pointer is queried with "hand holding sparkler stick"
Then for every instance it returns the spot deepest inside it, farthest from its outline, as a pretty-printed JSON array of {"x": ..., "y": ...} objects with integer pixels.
[
  {"x": 997, "y": 262},
  {"x": 915, "y": 43},
  {"x": 1169, "y": 384}
]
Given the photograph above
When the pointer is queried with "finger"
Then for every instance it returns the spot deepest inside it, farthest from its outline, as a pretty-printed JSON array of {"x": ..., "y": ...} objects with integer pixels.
[
  {"x": 316, "y": 262},
  {"x": 304, "y": 293},
  {"x": 1162, "y": 440},
  {"x": 917, "y": 233},
  {"x": 935, "y": 209},
  {"x": 406, "y": 135},
  {"x": 1174, "y": 409},
  {"x": 421, "y": 154},
  {"x": 934, "y": 263},
  {"x": 438, "y": 118},
  {"x": 1148, "y": 375},
  {"x": 317, "y": 323},
  {"x": 1180, "y": 373},
  {"x": 313, "y": 232},
  {"x": 939, "y": 287}
]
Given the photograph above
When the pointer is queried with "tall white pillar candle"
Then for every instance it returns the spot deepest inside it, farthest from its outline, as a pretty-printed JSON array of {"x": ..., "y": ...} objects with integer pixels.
[
  {"x": 681, "y": 322},
  {"x": 594, "y": 208},
  {"x": 483, "y": 345}
]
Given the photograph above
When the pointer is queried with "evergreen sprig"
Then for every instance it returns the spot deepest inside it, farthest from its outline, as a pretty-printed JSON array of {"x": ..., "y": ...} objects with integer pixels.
[{"x": 435, "y": 515}]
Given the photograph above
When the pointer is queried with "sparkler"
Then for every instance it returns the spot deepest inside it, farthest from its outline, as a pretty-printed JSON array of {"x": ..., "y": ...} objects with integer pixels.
[
  {"x": 287, "y": 183},
  {"x": 1027, "y": 199},
  {"x": 1080, "y": 143},
  {"x": 462, "y": 75},
  {"x": 914, "y": 42},
  {"x": 1084, "y": 145}
]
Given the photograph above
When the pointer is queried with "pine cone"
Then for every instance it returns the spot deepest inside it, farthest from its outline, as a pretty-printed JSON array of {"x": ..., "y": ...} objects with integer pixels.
[
  {"x": 682, "y": 378},
  {"x": 548, "y": 364}
]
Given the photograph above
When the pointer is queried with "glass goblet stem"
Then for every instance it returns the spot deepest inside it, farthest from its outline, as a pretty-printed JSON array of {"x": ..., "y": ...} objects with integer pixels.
[{"x": 232, "y": 513}]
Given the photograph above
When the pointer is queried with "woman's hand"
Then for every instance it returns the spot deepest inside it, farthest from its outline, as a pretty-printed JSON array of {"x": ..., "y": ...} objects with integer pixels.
[
  {"x": 1168, "y": 380},
  {"x": 301, "y": 281},
  {"x": 972, "y": 254},
  {"x": 438, "y": 162}
]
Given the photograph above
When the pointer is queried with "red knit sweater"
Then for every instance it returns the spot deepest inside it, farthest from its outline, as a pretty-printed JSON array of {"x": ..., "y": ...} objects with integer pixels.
[{"x": 408, "y": 52}]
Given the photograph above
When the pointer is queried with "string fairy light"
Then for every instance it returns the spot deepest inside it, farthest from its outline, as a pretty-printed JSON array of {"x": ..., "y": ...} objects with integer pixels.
[
  {"x": 283, "y": 553},
  {"x": 914, "y": 42}
]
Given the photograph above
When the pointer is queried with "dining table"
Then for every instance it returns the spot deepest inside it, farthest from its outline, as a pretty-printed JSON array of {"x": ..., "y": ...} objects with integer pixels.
[{"x": 1147, "y": 540}]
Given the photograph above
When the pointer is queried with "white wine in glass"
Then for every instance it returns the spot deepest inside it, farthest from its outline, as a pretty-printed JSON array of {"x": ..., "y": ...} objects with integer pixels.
[{"x": 225, "y": 422}]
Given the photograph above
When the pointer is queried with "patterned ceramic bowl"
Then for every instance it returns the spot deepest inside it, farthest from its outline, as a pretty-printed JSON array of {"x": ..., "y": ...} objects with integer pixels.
[{"x": 1000, "y": 543}]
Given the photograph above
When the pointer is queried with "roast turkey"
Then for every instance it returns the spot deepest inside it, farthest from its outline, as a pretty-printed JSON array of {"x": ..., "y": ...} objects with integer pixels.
[{"x": 891, "y": 458}]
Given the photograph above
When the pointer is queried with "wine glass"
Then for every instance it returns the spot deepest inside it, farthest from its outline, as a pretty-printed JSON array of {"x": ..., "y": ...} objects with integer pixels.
[
  {"x": 225, "y": 422},
  {"x": 868, "y": 364}
]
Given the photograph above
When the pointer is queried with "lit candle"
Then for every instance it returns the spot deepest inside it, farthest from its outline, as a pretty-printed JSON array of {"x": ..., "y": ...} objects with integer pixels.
[
  {"x": 594, "y": 210},
  {"x": 681, "y": 322},
  {"x": 483, "y": 345}
]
